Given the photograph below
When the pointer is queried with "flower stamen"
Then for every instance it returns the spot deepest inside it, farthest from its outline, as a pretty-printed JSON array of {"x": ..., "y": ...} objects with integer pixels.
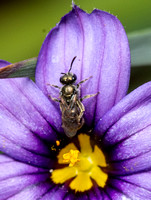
[{"x": 71, "y": 157}]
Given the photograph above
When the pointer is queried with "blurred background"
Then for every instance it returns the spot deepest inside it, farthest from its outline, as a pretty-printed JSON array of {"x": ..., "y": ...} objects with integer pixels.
[{"x": 24, "y": 24}]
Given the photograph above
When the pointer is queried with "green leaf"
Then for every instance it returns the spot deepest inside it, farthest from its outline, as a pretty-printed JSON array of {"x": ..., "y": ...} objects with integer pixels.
[
  {"x": 140, "y": 46},
  {"x": 24, "y": 68}
]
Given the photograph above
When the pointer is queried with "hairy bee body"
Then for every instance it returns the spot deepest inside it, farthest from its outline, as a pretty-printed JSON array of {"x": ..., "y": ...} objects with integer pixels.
[
  {"x": 71, "y": 105},
  {"x": 72, "y": 114}
]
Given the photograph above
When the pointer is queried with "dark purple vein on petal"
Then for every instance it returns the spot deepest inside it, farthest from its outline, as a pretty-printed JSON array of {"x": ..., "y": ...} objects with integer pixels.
[
  {"x": 119, "y": 60},
  {"x": 25, "y": 148},
  {"x": 101, "y": 61},
  {"x": 83, "y": 39},
  {"x": 105, "y": 193},
  {"x": 51, "y": 187},
  {"x": 26, "y": 174},
  {"x": 33, "y": 133},
  {"x": 127, "y": 159},
  {"x": 117, "y": 189},
  {"x": 126, "y": 181},
  {"x": 13, "y": 83},
  {"x": 28, "y": 129},
  {"x": 126, "y": 138},
  {"x": 113, "y": 124}
]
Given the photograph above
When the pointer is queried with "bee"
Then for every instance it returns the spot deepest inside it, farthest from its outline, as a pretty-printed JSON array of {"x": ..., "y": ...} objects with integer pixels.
[{"x": 71, "y": 104}]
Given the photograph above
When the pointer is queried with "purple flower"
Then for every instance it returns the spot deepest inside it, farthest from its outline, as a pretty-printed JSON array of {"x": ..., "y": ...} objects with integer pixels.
[{"x": 110, "y": 156}]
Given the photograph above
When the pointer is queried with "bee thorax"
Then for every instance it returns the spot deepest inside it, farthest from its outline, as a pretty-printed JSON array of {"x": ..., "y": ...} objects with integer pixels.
[{"x": 67, "y": 91}]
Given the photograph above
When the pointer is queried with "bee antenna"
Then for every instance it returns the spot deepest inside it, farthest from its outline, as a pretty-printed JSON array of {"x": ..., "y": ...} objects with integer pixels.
[
  {"x": 72, "y": 63},
  {"x": 63, "y": 73}
]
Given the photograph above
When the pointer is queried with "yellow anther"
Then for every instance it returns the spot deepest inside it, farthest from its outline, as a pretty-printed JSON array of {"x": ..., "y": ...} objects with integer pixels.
[{"x": 71, "y": 157}]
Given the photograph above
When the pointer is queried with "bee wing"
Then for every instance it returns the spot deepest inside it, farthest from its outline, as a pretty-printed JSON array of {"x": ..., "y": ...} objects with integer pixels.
[
  {"x": 73, "y": 102},
  {"x": 70, "y": 133}
]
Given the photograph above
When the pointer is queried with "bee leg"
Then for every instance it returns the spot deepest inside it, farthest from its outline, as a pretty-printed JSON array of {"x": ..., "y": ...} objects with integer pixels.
[
  {"x": 82, "y": 109},
  {"x": 56, "y": 86},
  {"x": 54, "y": 99},
  {"x": 89, "y": 96},
  {"x": 83, "y": 81}
]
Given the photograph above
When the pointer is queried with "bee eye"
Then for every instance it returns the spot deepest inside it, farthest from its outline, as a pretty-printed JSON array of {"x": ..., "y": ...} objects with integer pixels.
[
  {"x": 74, "y": 77},
  {"x": 63, "y": 79}
]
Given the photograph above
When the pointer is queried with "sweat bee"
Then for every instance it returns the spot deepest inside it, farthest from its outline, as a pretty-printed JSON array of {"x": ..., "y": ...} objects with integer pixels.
[{"x": 70, "y": 102}]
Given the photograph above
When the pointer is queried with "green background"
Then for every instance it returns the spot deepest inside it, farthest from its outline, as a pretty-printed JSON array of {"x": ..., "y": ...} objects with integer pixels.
[{"x": 24, "y": 24}]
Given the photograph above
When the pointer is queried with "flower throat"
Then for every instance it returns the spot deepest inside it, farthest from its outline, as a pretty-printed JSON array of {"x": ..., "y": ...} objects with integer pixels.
[{"x": 83, "y": 166}]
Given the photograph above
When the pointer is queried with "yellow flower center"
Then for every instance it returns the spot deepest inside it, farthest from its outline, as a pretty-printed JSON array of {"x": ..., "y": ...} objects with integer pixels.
[{"x": 83, "y": 166}]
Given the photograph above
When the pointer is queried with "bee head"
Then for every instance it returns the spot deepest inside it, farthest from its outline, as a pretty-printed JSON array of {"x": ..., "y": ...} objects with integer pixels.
[{"x": 68, "y": 78}]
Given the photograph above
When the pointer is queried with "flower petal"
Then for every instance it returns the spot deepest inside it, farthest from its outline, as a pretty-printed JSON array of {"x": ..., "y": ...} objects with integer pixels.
[
  {"x": 95, "y": 194},
  {"x": 35, "y": 191},
  {"x": 27, "y": 116},
  {"x": 133, "y": 191},
  {"x": 19, "y": 153},
  {"x": 141, "y": 179},
  {"x": 115, "y": 194},
  {"x": 55, "y": 193},
  {"x": 130, "y": 115},
  {"x": 4, "y": 63},
  {"x": 10, "y": 168},
  {"x": 13, "y": 130},
  {"x": 15, "y": 176},
  {"x": 5, "y": 159},
  {"x": 22, "y": 98},
  {"x": 13, "y": 185},
  {"x": 133, "y": 146},
  {"x": 101, "y": 46},
  {"x": 105, "y": 196},
  {"x": 130, "y": 166},
  {"x": 24, "y": 89},
  {"x": 126, "y": 130}
]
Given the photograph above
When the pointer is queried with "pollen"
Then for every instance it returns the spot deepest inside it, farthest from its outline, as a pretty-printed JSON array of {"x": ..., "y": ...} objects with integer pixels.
[
  {"x": 82, "y": 168},
  {"x": 71, "y": 157},
  {"x": 57, "y": 142}
]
